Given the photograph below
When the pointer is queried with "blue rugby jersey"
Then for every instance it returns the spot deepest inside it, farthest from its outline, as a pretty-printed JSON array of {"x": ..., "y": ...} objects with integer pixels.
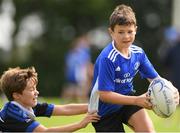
[
  {"x": 14, "y": 118},
  {"x": 114, "y": 72}
]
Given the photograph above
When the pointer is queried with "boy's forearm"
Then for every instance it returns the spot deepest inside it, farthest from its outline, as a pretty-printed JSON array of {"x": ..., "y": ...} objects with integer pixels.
[
  {"x": 70, "y": 109},
  {"x": 66, "y": 128},
  {"x": 115, "y": 98},
  {"x": 78, "y": 108}
]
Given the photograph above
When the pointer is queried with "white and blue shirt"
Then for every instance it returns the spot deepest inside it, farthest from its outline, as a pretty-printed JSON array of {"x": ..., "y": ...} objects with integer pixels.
[
  {"x": 15, "y": 118},
  {"x": 115, "y": 72}
]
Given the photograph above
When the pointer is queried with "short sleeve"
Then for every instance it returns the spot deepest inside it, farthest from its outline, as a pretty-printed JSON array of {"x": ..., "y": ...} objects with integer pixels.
[
  {"x": 43, "y": 109},
  {"x": 146, "y": 68},
  {"x": 106, "y": 75}
]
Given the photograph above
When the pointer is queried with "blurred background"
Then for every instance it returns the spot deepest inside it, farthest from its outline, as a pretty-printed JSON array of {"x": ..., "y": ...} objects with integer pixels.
[{"x": 41, "y": 33}]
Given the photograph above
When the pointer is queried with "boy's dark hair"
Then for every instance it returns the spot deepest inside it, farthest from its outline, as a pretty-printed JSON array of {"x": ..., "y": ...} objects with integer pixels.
[
  {"x": 15, "y": 80},
  {"x": 122, "y": 15}
]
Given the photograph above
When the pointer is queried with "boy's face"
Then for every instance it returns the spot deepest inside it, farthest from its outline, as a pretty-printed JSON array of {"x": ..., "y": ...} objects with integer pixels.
[
  {"x": 29, "y": 96},
  {"x": 123, "y": 35}
]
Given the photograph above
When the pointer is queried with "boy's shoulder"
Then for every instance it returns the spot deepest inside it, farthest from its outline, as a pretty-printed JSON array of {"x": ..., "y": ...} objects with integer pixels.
[
  {"x": 14, "y": 119},
  {"x": 136, "y": 49},
  {"x": 12, "y": 111}
]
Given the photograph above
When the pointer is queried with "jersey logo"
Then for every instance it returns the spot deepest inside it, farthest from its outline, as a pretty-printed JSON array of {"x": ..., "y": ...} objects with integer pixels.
[
  {"x": 126, "y": 75},
  {"x": 123, "y": 81},
  {"x": 118, "y": 69}
]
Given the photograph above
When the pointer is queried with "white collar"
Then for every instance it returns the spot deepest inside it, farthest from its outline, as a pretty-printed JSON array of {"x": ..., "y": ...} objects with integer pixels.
[
  {"x": 120, "y": 52},
  {"x": 29, "y": 112}
]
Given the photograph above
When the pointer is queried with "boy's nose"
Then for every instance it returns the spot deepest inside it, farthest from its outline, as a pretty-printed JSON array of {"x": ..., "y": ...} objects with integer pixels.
[
  {"x": 37, "y": 92},
  {"x": 126, "y": 35}
]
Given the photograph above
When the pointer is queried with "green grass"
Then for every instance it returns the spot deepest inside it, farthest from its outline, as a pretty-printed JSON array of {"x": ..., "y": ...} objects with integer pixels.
[{"x": 171, "y": 124}]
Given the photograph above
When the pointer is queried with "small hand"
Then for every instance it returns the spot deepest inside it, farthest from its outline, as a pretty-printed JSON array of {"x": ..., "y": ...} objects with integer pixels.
[
  {"x": 144, "y": 101},
  {"x": 90, "y": 117}
]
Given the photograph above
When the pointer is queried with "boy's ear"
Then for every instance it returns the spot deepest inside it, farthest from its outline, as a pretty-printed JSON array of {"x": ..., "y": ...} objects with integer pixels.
[
  {"x": 136, "y": 29},
  {"x": 110, "y": 31},
  {"x": 15, "y": 95}
]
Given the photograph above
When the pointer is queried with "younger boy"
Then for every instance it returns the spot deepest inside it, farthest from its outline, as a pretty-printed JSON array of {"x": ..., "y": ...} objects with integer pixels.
[
  {"x": 114, "y": 70},
  {"x": 18, "y": 115}
]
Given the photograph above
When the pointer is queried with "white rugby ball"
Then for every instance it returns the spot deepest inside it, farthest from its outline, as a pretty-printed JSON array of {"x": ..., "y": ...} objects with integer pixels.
[{"x": 161, "y": 92}]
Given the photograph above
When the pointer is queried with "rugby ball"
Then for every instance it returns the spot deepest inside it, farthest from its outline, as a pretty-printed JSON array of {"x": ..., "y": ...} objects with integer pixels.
[{"x": 161, "y": 93}]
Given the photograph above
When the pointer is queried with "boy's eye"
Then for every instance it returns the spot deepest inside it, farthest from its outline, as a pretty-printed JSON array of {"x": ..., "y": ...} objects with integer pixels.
[
  {"x": 121, "y": 32},
  {"x": 32, "y": 88},
  {"x": 130, "y": 32}
]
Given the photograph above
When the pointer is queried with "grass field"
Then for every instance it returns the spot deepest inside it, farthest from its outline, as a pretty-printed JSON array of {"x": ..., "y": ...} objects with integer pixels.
[{"x": 171, "y": 124}]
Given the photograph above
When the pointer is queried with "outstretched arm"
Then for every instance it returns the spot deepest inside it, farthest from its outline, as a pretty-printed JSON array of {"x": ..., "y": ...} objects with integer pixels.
[
  {"x": 70, "y": 109},
  {"x": 71, "y": 127}
]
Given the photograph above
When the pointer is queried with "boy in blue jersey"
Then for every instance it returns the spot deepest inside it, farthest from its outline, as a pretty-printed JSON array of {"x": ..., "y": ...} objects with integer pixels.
[
  {"x": 114, "y": 70},
  {"x": 18, "y": 115}
]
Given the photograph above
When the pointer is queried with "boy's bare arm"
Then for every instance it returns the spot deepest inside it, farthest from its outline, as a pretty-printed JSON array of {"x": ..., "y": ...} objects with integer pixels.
[
  {"x": 115, "y": 98},
  {"x": 71, "y": 127},
  {"x": 70, "y": 109}
]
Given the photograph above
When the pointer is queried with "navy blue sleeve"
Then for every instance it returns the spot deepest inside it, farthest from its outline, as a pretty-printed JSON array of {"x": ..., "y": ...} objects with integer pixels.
[
  {"x": 43, "y": 109},
  {"x": 14, "y": 119},
  {"x": 13, "y": 125}
]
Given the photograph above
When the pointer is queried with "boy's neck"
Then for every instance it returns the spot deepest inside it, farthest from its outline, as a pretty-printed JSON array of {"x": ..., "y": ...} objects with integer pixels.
[
  {"x": 29, "y": 111},
  {"x": 21, "y": 106},
  {"x": 124, "y": 51}
]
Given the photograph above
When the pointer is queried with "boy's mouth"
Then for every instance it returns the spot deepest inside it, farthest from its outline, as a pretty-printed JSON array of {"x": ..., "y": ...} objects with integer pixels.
[
  {"x": 35, "y": 98},
  {"x": 126, "y": 41}
]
